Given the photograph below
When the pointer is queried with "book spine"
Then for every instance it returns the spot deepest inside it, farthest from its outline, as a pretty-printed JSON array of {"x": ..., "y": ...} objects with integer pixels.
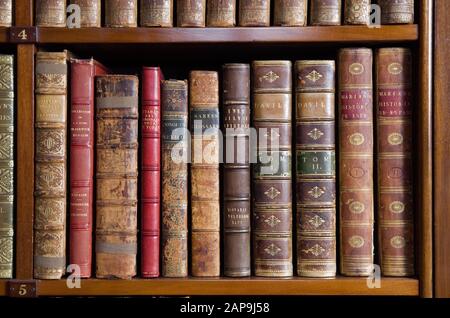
[
  {"x": 116, "y": 170},
  {"x": 191, "y": 13},
  {"x": 397, "y": 12},
  {"x": 91, "y": 13},
  {"x": 315, "y": 166},
  {"x": 205, "y": 196},
  {"x": 395, "y": 175},
  {"x": 151, "y": 171},
  {"x": 236, "y": 184},
  {"x": 174, "y": 98},
  {"x": 6, "y": 165},
  {"x": 356, "y": 161},
  {"x": 156, "y": 13},
  {"x": 291, "y": 12},
  {"x": 357, "y": 12},
  {"x": 121, "y": 13},
  {"x": 272, "y": 191},
  {"x": 6, "y": 13},
  {"x": 326, "y": 12},
  {"x": 50, "y": 165},
  {"x": 51, "y": 13},
  {"x": 254, "y": 13},
  {"x": 221, "y": 13}
]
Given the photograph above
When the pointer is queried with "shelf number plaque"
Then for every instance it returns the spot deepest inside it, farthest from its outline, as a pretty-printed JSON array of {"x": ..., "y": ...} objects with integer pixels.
[
  {"x": 22, "y": 288},
  {"x": 23, "y": 34}
]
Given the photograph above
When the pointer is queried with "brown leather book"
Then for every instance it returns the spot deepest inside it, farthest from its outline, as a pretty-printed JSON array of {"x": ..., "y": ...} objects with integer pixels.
[
  {"x": 191, "y": 13},
  {"x": 356, "y": 161},
  {"x": 397, "y": 12},
  {"x": 6, "y": 13},
  {"x": 254, "y": 13},
  {"x": 121, "y": 13},
  {"x": 221, "y": 13},
  {"x": 395, "y": 175},
  {"x": 357, "y": 12},
  {"x": 91, "y": 13},
  {"x": 50, "y": 165},
  {"x": 272, "y": 187},
  {"x": 50, "y": 13},
  {"x": 325, "y": 12},
  {"x": 205, "y": 196},
  {"x": 117, "y": 170},
  {"x": 174, "y": 99},
  {"x": 236, "y": 172},
  {"x": 315, "y": 166},
  {"x": 156, "y": 13},
  {"x": 290, "y": 13}
]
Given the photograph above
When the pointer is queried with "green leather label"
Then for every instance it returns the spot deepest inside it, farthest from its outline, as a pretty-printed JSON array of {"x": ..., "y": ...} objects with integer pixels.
[{"x": 316, "y": 163}]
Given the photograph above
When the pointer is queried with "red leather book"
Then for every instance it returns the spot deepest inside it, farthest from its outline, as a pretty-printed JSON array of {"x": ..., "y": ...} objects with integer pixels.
[
  {"x": 150, "y": 182},
  {"x": 82, "y": 161}
]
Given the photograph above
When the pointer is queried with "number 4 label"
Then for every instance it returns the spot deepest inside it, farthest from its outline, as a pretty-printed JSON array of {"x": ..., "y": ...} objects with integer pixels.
[{"x": 23, "y": 34}]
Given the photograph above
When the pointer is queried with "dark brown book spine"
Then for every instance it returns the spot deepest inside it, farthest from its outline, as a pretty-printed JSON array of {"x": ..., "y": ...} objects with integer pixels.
[
  {"x": 117, "y": 170},
  {"x": 272, "y": 191},
  {"x": 191, "y": 13},
  {"x": 50, "y": 13},
  {"x": 357, "y": 11},
  {"x": 315, "y": 164},
  {"x": 290, "y": 13},
  {"x": 6, "y": 13},
  {"x": 205, "y": 196},
  {"x": 221, "y": 13},
  {"x": 236, "y": 184},
  {"x": 156, "y": 13},
  {"x": 121, "y": 13},
  {"x": 397, "y": 12},
  {"x": 254, "y": 13},
  {"x": 356, "y": 161},
  {"x": 326, "y": 12},
  {"x": 91, "y": 13},
  {"x": 395, "y": 175}
]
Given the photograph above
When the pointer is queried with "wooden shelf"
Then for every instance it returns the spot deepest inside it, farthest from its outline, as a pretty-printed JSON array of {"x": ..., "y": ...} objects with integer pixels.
[
  {"x": 332, "y": 34},
  {"x": 3, "y": 287},
  {"x": 4, "y": 37}
]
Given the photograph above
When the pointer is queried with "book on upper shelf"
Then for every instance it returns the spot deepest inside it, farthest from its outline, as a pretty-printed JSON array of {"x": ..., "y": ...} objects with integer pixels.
[
  {"x": 50, "y": 13},
  {"x": 6, "y": 13},
  {"x": 121, "y": 13},
  {"x": 90, "y": 13}
]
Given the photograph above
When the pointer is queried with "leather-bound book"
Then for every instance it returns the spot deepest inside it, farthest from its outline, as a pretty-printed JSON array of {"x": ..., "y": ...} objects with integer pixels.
[
  {"x": 117, "y": 170},
  {"x": 357, "y": 11},
  {"x": 356, "y": 161},
  {"x": 315, "y": 166},
  {"x": 254, "y": 13},
  {"x": 325, "y": 12},
  {"x": 395, "y": 175},
  {"x": 6, "y": 164},
  {"x": 205, "y": 196},
  {"x": 397, "y": 11},
  {"x": 221, "y": 13},
  {"x": 91, "y": 13},
  {"x": 272, "y": 187},
  {"x": 156, "y": 13},
  {"x": 236, "y": 172},
  {"x": 50, "y": 165},
  {"x": 151, "y": 171},
  {"x": 6, "y": 13},
  {"x": 290, "y": 13},
  {"x": 191, "y": 13},
  {"x": 82, "y": 93},
  {"x": 174, "y": 226},
  {"x": 50, "y": 13},
  {"x": 121, "y": 13}
]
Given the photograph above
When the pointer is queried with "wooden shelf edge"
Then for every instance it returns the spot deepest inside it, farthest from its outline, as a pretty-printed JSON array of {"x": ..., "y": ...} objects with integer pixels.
[
  {"x": 310, "y": 34},
  {"x": 3, "y": 287},
  {"x": 4, "y": 37},
  {"x": 224, "y": 286}
]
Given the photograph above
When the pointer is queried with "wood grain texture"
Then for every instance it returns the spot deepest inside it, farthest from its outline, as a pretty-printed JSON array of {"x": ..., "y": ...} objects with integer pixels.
[
  {"x": 4, "y": 35},
  {"x": 23, "y": 12}
]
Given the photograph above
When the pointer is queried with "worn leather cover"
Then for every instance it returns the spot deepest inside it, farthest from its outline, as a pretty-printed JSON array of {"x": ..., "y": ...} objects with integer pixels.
[
  {"x": 236, "y": 172},
  {"x": 272, "y": 187},
  {"x": 121, "y": 13},
  {"x": 395, "y": 175},
  {"x": 254, "y": 13},
  {"x": 6, "y": 13},
  {"x": 174, "y": 98},
  {"x": 221, "y": 13},
  {"x": 6, "y": 165},
  {"x": 151, "y": 171},
  {"x": 82, "y": 92},
  {"x": 191, "y": 13},
  {"x": 397, "y": 12},
  {"x": 117, "y": 162},
  {"x": 50, "y": 13},
  {"x": 315, "y": 166},
  {"x": 290, "y": 13},
  {"x": 325, "y": 12},
  {"x": 50, "y": 165},
  {"x": 357, "y": 12},
  {"x": 205, "y": 195},
  {"x": 356, "y": 161},
  {"x": 91, "y": 12},
  {"x": 156, "y": 13}
]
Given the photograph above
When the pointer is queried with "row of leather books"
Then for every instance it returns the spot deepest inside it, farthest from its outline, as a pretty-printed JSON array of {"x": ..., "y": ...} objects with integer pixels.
[
  {"x": 219, "y": 13},
  {"x": 247, "y": 206}
]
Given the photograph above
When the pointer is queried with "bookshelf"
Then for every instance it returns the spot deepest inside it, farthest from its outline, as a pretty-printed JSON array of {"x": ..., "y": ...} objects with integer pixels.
[{"x": 275, "y": 40}]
